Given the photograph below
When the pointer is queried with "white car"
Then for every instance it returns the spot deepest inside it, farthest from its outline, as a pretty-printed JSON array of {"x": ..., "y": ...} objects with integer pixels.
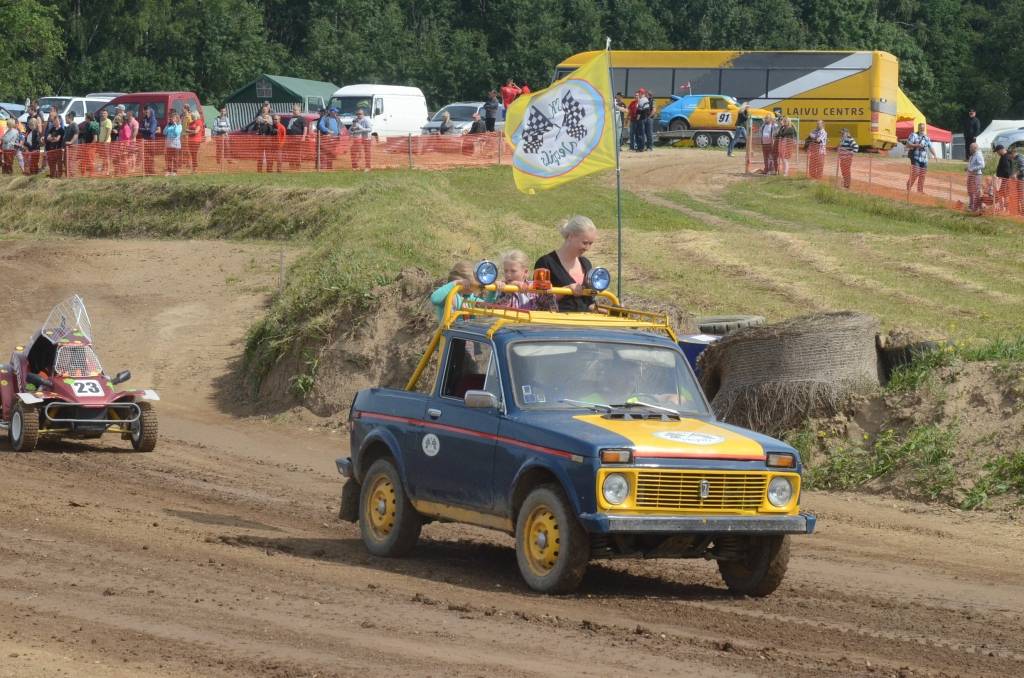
[
  {"x": 1010, "y": 138},
  {"x": 461, "y": 114},
  {"x": 64, "y": 105}
]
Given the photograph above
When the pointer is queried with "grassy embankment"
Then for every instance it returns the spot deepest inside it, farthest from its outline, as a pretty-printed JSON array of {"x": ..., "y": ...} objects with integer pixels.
[{"x": 777, "y": 247}]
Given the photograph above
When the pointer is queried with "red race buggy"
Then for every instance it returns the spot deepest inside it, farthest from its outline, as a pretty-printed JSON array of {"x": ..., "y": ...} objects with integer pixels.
[{"x": 55, "y": 386}]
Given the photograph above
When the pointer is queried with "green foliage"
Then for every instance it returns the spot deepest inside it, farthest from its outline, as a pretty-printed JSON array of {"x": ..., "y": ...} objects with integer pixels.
[
  {"x": 952, "y": 53},
  {"x": 921, "y": 459},
  {"x": 302, "y": 384},
  {"x": 910, "y": 377},
  {"x": 1003, "y": 475}
]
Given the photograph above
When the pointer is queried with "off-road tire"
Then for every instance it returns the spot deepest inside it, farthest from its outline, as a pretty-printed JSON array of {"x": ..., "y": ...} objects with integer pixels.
[
  {"x": 27, "y": 428},
  {"x": 762, "y": 569},
  {"x": 144, "y": 436},
  {"x": 679, "y": 125},
  {"x": 573, "y": 543},
  {"x": 724, "y": 324},
  {"x": 403, "y": 523}
]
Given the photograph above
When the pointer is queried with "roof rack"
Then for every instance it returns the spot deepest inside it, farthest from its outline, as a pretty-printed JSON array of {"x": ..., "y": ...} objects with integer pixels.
[{"x": 605, "y": 316}]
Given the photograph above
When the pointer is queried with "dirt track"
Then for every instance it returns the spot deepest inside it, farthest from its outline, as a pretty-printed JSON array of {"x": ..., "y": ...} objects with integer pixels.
[{"x": 220, "y": 553}]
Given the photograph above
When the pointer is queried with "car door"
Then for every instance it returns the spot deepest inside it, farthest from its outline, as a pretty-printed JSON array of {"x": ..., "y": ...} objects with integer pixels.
[
  {"x": 701, "y": 116},
  {"x": 453, "y": 460},
  {"x": 723, "y": 113},
  {"x": 381, "y": 116}
]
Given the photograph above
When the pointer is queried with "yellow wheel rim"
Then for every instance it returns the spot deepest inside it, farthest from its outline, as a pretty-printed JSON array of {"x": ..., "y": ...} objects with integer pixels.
[
  {"x": 543, "y": 540},
  {"x": 380, "y": 507}
]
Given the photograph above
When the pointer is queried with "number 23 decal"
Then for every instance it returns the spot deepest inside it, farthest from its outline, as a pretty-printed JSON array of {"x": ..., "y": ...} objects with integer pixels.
[{"x": 88, "y": 387}]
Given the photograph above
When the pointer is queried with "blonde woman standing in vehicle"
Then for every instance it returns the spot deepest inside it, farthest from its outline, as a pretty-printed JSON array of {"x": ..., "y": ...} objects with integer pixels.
[{"x": 568, "y": 266}]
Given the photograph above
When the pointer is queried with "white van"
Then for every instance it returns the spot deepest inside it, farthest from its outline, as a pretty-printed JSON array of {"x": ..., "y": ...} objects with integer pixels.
[
  {"x": 394, "y": 110},
  {"x": 64, "y": 105}
]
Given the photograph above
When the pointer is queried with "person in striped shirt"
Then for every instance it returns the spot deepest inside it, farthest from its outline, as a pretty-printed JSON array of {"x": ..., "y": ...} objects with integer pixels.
[
  {"x": 919, "y": 146},
  {"x": 847, "y": 147},
  {"x": 817, "y": 142}
]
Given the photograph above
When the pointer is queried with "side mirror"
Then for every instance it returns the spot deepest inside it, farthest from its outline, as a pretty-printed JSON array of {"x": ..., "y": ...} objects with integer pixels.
[
  {"x": 480, "y": 399},
  {"x": 121, "y": 377}
]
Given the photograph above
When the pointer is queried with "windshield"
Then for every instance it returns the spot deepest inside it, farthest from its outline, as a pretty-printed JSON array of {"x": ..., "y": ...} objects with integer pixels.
[
  {"x": 59, "y": 102},
  {"x": 457, "y": 113},
  {"x": 347, "y": 105},
  {"x": 546, "y": 374}
]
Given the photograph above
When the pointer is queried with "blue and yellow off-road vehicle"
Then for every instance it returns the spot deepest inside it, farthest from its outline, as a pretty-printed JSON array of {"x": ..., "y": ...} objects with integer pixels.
[{"x": 585, "y": 435}]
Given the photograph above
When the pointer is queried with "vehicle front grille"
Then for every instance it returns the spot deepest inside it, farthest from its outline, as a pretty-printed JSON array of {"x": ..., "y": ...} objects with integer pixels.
[{"x": 681, "y": 490}]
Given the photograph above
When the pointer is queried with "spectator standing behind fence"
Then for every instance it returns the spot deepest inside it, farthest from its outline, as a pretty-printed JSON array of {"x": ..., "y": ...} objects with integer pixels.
[
  {"x": 1004, "y": 172},
  {"x": 88, "y": 132},
  {"x": 446, "y": 125},
  {"x": 54, "y": 141},
  {"x": 221, "y": 128},
  {"x": 67, "y": 148},
  {"x": 975, "y": 168},
  {"x": 330, "y": 133},
  {"x": 768, "y": 129},
  {"x": 631, "y": 118},
  {"x": 742, "y": 118},
  {"x": 919, "y": 146},
  {"x": 280, "y": 133},
  {"x": 195, "y": 133},
  {"x": 785, "y": 138},
  {"x": 265, "y": 142},
  {"x": 106, "y": 134},
  {"x": 847, "y": 147},
  {"x": 296, "y": 130},
  {"x": 172, "y": 138},
  {"x": 9, "y": 143},
  {"x": 1017, "y": 182},
  {"x": 360, "y": 131},
  {"x": 33, "y": 145},
  {"x": 148, "y": 129},
  {"x": 621, "y": 111},
  {"x": 491, "y": 107},
  {"x": 817, "y": 145},
  {"x": 509, "y": 93},
  {"x": 972, "y": 128}
]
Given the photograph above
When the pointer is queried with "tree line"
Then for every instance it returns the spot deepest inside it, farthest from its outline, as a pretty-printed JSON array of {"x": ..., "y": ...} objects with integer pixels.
[{"x": 953, "y": 53}]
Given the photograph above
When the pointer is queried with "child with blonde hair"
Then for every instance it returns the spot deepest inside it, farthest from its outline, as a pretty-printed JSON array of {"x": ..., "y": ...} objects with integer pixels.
[{"x": 516, "y": 268}]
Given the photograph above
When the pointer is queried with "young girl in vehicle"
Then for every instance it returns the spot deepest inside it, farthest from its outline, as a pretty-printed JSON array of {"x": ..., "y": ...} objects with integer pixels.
[
  {"x": 516, "y": 268},
  {"x": 461, "y": 274}
]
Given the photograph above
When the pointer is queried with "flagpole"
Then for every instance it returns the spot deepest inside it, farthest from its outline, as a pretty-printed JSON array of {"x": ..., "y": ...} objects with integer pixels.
[{"x": 618, "y": 179}]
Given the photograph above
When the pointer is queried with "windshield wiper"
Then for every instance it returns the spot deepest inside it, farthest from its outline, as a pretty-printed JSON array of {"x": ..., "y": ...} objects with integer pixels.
[
  {"x": 640, "y": 403},
  {"x": 584, "y": 403}
]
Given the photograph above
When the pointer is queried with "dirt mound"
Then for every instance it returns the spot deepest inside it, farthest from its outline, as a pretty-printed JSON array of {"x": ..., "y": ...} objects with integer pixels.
[
  {"x": 773, "y": 377},
  {"x": 956, "y": 438},
  {"x": 377, "y": 343}
]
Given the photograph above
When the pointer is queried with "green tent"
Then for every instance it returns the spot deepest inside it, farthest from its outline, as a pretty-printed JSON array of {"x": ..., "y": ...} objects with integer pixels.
[{"x": 282, "y": 92}]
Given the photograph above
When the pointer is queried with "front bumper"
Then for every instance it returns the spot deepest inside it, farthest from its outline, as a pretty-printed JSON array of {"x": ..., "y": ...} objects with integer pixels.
[{"x": 606, "y": 523}]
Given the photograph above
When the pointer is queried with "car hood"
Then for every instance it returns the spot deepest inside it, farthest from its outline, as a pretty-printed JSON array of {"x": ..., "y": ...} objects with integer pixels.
[{"x": 654, "y": 437}]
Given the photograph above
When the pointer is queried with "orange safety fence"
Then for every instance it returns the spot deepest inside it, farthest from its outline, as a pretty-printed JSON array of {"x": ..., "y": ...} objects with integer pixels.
[
  {"x": 236, "y": 153},
  {"x": 887, "y": 177}
]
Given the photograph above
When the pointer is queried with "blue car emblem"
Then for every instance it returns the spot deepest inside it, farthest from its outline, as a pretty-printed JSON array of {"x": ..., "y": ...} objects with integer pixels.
[{"x": 705, "y": 488}]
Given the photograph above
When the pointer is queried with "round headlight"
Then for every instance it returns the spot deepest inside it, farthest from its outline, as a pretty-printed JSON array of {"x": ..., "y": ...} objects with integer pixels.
[
  {"x": 486, "y": 272},
  {"x": 780, "y": 491},
  {"x": 615, "y": 488},
  {"x": 598, "y": 279}
]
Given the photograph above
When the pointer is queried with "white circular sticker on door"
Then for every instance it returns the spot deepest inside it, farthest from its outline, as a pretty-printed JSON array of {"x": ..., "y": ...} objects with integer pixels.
[
  {"x": 431, "y": 445},
  {"x": 690, "y": 437}
]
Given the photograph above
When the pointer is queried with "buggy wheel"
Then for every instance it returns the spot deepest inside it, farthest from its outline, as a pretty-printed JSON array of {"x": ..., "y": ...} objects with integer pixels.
[
  {"x": 761, "y": 568},
  {"x": 552, "y": 548},
  {"x": 389, "y": 524},
  {"x": 24, "y": 430},
  {"x": 144, "y": 431}
]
